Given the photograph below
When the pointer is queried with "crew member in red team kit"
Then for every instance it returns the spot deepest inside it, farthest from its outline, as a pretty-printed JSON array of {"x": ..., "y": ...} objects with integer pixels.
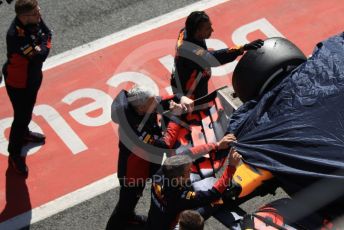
[
  {"x": 142, "y": 145},
  {"x": 172, "y": 192},
  {"x": 135, "y": 111},
  {"x": 28, "y": 43},
  {"x": 193, "y": 60}
]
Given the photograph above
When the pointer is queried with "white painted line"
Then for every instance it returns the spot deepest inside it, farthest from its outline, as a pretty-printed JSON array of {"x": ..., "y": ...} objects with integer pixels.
[
  {"x": 110, "y": 182},
  {"x": 122, "y": 35},
  {"x": 62, "y": 203},
  {"x": 2, "y": 84},
  {"x": 128, "y": 33}
]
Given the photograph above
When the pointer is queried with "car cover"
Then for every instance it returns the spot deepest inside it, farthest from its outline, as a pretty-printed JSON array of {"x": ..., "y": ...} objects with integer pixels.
[{"x": 296, "y": 130}]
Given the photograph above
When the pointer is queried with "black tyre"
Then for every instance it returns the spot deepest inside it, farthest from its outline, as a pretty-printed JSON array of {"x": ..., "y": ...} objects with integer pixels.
[{"x": 260, "y": 70}]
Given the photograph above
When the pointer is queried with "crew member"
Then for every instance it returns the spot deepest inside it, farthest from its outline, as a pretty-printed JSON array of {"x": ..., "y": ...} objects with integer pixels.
[
  {"x": 172, "y": 192},
  {"x": 28, "y": 43},
  {"x": 193, "y": 60}
]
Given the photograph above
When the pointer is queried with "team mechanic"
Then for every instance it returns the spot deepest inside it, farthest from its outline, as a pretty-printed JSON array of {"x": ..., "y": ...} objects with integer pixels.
[
  {"x": 172, "y": 193},
  {"x": 136, "y": 113},
  {"x": 28, "y": 43},
  {"x": 193, "y": 60}
]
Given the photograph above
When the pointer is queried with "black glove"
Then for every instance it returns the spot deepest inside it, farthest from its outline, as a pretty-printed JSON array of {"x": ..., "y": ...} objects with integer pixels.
[{"x": 256, "y": 44}]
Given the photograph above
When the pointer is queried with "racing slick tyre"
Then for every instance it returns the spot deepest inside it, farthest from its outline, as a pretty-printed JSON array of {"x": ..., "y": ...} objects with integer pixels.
[{"x": 259, "y": 70}]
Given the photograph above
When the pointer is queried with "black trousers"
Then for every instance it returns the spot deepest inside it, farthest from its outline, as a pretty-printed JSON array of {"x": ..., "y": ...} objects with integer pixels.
[
  {"x": 128, "y": 195},
  {"x": 128, "y": 198},
  {"x": 23, "y": 101}
]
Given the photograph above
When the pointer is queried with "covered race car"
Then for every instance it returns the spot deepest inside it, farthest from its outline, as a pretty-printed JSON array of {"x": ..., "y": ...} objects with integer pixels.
[
  {"x": 291, "y": 123},
  {"x": 294, "y": 128},
  {"x": 290, "y": 128}
]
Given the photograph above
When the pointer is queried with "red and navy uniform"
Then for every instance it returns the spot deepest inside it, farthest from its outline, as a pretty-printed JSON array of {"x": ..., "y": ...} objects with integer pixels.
[
  {"x": 142, "y": 140},
  {"x": 141, "y": 149},
  {"x": 192, "y": 65},
  {"x": 23, "y": 75},
  {"x": 169, "y": 200},
  {"x": 136, "y": 136}
]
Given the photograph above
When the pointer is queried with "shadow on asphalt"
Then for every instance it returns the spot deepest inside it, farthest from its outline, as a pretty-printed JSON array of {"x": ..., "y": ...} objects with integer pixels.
[{"x": 17, "y": 198}]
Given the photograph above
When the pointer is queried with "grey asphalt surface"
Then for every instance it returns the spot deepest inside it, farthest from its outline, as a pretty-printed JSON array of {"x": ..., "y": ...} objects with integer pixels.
[
  {"x": 75, "y": 23},
  {"x": 78, "y": 22}
]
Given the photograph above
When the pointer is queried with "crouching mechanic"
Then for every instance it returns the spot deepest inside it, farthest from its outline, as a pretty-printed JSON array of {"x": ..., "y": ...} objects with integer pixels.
[
  {"x": 136, "y": 113},
  {"x": 172, "y": 192}
]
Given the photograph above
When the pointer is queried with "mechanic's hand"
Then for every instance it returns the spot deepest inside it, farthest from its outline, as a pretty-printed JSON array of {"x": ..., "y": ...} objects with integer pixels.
[
  {"x": 187, "y": 103},
  {"x": 234, "y": 158},
  {"x": 176, "y": 109},
  {"x": 254, "y": 45},
  {"x": 225, "y": 141}
]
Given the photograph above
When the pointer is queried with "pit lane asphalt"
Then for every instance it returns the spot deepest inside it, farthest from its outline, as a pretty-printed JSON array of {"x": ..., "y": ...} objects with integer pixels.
[{"x": 78, "y": 22}]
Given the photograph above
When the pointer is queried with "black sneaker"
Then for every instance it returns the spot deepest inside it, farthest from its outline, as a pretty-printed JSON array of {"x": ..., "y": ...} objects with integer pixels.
[
  {"x": 137, "y": 220},
  {"x": 34, "y": 137},
  {"x": 19, "y": 164}
]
